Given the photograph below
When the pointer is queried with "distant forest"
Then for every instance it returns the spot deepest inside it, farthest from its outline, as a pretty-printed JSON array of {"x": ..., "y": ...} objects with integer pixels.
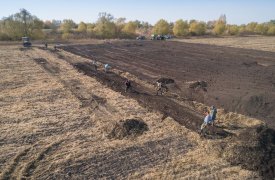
[{"x": 107, "y": 26}]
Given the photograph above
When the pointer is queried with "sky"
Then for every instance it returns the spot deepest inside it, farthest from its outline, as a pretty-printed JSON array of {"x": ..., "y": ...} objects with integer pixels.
[{"x": 236, "y": 11}]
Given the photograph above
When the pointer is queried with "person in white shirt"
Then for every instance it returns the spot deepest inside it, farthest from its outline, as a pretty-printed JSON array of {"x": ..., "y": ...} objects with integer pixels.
[
  {"x": 106, "y": 67},
  {"x": 207, "y": 119}
]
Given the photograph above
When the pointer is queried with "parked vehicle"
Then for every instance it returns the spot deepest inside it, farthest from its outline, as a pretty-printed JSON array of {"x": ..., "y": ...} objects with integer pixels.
[
  {"x": 158, "y": 37},
  {"x": 26, "y": 42}
]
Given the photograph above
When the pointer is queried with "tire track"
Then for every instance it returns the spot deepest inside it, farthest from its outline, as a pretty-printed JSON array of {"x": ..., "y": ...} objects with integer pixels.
[
  {"x": 33, "y": 164},
  {"x": 73, "y": 85},
  {"x": 7, "y": 174}
]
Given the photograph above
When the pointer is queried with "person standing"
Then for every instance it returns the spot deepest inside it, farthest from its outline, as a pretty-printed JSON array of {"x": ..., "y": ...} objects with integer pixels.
[
  {"x": 213, "y": 113},
  {"x": 95, "y": 64},
  {"x": 127, "y": 85},
  {"x": 159, "y": 88},
  {"x": 207, "y": 119},
  {"x": 106, "y": 67}
]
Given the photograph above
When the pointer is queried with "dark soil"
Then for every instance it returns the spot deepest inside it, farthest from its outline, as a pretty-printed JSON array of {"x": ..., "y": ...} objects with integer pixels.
[
  {"x": 255, "y": 151},
  {"x": 166, "y": 80},
  {"x": 128, "y": 128},
  {"x": 234, "y": 76}
]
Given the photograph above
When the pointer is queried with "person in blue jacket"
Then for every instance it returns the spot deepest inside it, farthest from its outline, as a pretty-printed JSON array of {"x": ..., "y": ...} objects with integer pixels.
[{"x": 213, "y": 113}]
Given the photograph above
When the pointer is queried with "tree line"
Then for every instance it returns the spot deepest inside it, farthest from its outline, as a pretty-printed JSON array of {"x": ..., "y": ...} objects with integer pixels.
[{"x": 24, "y": 23}]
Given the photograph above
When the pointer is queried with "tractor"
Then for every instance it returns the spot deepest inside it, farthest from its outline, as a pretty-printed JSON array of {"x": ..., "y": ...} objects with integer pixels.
[{"x": 26, "y": 42}]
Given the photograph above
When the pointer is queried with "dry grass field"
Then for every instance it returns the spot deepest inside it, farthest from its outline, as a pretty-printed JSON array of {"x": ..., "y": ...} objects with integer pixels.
[
  {"x": 55, "y": 121},
  {"x": 257, "y": 43}
]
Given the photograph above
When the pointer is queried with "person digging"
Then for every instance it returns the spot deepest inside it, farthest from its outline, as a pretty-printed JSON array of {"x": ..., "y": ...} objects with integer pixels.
[
  {"x": 213, "y": 113},
  {"x": 127, "y": 85},
  {"x": 95, "y": 64},
  {"x": 207, "y": 120},
  {"x": 161, "y": 87},
  {"x": 106, "y": 67}
]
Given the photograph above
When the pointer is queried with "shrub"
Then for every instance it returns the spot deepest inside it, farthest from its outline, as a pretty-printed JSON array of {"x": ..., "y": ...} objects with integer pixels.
[
  {"x": 67, "y": 25},
  {"x": 197, "y": 28},
  {"x": 161, "y": 27},
  {"x": 233, "y": 29},
  {"x": 82, "y": 27},
  {"x": 219, "y": 28},
  {"x": 250, "y": 27},
  {"x": 130, "y": 28},
  {"x": 105, "y": 27},
  {"x": 261, "y": 29},
  {"x": 180, "y": 28},
  {"x": 271, "y": 30}
]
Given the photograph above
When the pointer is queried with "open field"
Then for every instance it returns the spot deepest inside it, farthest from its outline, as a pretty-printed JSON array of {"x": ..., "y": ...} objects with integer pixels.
[
  {"x": 239, "y": 80},
  {"x": 263, "y": 43},
  {"x": 56, "y": 113}
]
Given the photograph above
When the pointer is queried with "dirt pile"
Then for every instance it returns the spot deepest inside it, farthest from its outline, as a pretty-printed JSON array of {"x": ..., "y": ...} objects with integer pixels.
[
  {"x": 128, "y": 128},
  {"x": 253, "y": 149},
  {"x": 166, "y": 80},
  {"x": 198, "y": 85}
]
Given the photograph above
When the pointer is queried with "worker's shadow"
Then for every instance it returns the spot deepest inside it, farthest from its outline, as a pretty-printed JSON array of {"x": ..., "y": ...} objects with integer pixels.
[{"x": 214, "y": 132}]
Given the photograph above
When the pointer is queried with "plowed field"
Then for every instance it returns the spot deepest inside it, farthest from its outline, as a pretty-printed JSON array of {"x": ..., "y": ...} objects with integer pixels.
[{"x": 238, "y": 80}]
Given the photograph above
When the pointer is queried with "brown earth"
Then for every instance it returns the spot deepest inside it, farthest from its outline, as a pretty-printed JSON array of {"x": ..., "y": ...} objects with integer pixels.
[
  {"x": 238, "y": 80},
  {"x": 56, "y": 113}
]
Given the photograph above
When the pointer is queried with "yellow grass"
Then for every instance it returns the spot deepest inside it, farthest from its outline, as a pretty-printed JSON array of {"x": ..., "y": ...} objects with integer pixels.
[{"x": 264, "y": 43}]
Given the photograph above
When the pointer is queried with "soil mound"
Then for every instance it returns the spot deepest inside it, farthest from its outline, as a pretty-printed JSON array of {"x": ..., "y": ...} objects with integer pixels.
[
  {"x": 254, "y": 150},
  {"x": 128, "y": 128},
  {"x": 166, "y": 80},
  {"x": 197, "y": 84}
]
